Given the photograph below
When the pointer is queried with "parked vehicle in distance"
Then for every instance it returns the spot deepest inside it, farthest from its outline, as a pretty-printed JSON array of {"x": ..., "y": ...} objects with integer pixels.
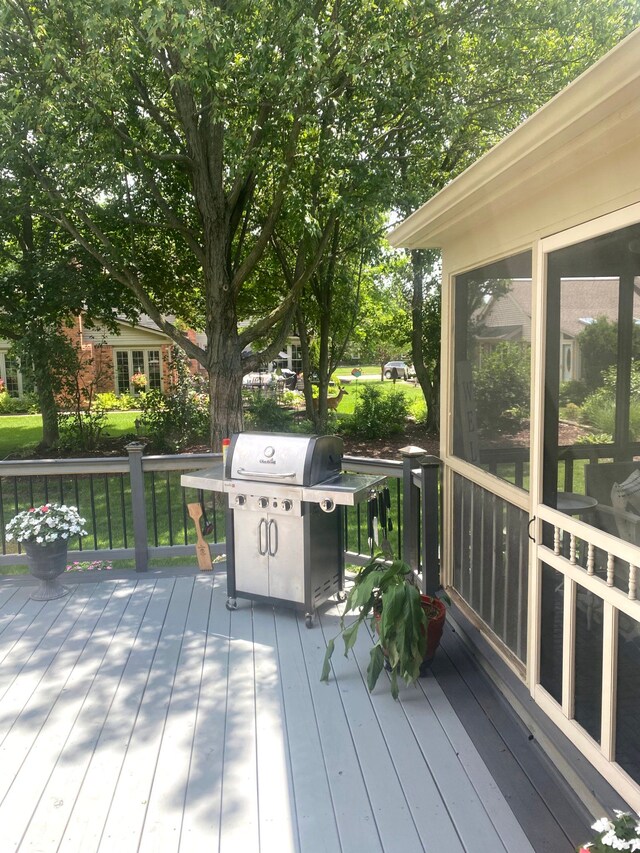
[{"x": 404, "y": 371}]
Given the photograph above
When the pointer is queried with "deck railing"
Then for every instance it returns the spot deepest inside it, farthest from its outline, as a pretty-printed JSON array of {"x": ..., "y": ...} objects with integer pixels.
[{"x": 136, "y": 509}]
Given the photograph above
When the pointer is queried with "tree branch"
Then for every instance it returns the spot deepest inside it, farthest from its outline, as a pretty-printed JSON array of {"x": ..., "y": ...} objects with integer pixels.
[
  {"x": 249, "y": 263},
  {"x": 261, "y": 327},
  {"x": 171, "y": 216}
]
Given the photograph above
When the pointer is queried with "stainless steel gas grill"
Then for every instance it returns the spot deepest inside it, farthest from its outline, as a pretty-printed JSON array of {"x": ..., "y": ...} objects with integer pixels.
[{"x": 285, "y": 517}]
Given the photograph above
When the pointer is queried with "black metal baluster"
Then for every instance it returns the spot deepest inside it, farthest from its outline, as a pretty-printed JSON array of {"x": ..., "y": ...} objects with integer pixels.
[
  {"x": 153, "y": 508},
  {"x": 399, "y": 516},
  {"x": 345, "y": 521},
  {"x": 123, "y": 511},
  {"x": 93, "y": 512},
  {"x": 359, "y": 531},
  {"x": 46, "y": 488},
  {"x": 31, "y": 501},
  {"x": 77, "y": 494},
  {"x": 107, "y": 503},
  {"x": 2, "y": 522},
  {"x": 61, "y": 489},
  {"x": 168, "y": 481},
  {"x": 184, "y": 515}
]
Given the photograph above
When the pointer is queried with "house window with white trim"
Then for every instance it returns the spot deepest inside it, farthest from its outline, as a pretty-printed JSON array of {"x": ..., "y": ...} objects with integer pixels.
[
  {"x": 296, "y": 357},
  {"x": 130, "y": 363},
  {"x": 10, "y": 375}
]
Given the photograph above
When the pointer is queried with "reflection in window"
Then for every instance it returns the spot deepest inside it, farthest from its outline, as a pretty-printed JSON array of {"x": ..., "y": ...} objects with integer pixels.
[
  {"x": 592, "y": 401},
  {"x": 493, "y": 367}
]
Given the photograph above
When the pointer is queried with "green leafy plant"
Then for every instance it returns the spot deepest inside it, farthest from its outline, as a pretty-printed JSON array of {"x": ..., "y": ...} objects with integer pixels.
[
  {"x": 384, "y": 593},
  {"x": 621, "y": 833}
]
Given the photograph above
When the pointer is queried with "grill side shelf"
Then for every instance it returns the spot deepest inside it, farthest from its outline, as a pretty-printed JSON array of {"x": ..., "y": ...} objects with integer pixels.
[
  {"x": 211, "y": 479},
  {"x": 344, "y": 489}
]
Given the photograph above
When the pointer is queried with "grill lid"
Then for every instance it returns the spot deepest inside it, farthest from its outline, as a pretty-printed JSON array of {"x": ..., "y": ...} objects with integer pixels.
[{"x": 301, "y": 460}]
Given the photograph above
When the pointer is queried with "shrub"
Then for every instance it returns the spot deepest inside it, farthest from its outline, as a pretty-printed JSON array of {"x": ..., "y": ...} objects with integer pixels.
[
  {"x": 502, "y": 384},
  {"x": 572, "y": 412},
  {"x": 112, "y": 402},
  {"x": 173, "y": 420},
  {"x": 378, "y": 414},
  {"x": 265, "y": 414},
  {"x": 573, "y": 392},
  {"x": 81, "y": 430},
  {"x": 18, "y": 405}
]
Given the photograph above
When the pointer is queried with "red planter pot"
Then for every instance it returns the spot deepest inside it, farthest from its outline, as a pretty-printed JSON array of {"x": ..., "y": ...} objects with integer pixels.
[{"x": 435, "y": 627}]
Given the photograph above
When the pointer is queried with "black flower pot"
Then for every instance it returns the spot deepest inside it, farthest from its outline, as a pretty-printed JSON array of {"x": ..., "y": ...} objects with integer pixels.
[{"x": 47, "y": 561}]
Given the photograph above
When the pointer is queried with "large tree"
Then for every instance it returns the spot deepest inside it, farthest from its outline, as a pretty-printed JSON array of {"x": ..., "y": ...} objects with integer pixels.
[
  {"x": 172, "y": 136},
  {"x": 44, "y": 283},
  {"x": 486, "y": 68}
]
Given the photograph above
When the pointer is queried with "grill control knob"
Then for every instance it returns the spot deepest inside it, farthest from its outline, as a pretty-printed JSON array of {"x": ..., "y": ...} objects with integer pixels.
[
  {"x": 263, "y": 503},
  {"x": 286, "y": 504},
  {"x": 240, "y": 500}
]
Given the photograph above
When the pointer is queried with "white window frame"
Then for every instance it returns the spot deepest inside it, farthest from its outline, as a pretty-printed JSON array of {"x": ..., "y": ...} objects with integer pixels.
[
  {"x": 129, "y": 352},
  {"x": 3, "y": 372}
]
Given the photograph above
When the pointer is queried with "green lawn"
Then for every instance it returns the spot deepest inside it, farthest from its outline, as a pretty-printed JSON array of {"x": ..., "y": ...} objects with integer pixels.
[
  {"x": 24, "y": 432},
  {"x": 367, "y": 370}
]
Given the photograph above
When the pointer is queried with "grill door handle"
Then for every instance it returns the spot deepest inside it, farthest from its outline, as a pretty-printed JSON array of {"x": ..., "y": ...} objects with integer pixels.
[
  {"x": 262, "y": 529},
  {"x": 264, "y": 475},
  {"x": 273, "y": 538}
]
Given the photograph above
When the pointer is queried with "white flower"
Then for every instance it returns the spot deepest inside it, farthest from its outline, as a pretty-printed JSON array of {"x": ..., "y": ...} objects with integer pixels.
[
  {"x": 603, "y": 825},
  {"x": 45, "y": 523}
]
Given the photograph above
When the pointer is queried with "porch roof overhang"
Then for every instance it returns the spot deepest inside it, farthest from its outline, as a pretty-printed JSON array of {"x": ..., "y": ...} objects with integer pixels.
[{"x": 596, "y": 114}]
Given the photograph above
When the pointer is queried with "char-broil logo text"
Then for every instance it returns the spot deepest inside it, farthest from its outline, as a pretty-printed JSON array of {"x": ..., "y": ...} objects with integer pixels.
[{"x": 269, "y": 453}]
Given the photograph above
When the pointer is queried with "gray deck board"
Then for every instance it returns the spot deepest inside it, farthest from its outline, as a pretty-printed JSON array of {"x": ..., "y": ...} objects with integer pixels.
[
  {"x": 314, "y": 809},
  {"x": 141, "y": 715}
]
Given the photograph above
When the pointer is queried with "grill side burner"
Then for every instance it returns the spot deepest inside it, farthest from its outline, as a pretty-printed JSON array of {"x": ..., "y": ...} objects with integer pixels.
[{"x": 284, "y": 524}]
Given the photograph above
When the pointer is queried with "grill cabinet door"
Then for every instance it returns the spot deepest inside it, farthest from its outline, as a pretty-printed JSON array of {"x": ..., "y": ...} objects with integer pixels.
[
  {"x": 286, "y": 558},
  {"x": 251, "y": 545}
]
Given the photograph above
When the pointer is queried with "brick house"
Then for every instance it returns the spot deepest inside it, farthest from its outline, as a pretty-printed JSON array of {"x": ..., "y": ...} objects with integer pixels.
[{"x": 115, "y": 357}]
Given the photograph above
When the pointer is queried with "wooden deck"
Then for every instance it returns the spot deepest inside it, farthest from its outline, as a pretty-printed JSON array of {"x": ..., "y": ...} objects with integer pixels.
[{"x": 139, "y": 714}]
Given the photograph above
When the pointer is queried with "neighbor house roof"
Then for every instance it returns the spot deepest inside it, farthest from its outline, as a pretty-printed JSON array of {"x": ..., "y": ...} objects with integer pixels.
[{"x": 583, "y": 301}]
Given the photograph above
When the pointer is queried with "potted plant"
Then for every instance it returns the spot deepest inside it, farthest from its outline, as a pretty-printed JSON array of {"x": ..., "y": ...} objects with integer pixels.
[
  {"x": 408, "y": 625},
  {"x": 139, "y": 382},
  {"x": 44, "y": 532},
  {"x": 621, "y": 833}
]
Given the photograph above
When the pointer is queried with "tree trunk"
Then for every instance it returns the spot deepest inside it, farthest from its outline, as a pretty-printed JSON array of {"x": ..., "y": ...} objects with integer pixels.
[
  {"x": 225, "y": 389},
  {"x": 48, "y": 406},
  {"x": 225, "y": 381},
  {"x": 430, "y": 385}
]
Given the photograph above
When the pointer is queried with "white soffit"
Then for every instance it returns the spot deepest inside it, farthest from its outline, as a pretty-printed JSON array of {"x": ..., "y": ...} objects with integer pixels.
[{"x": 604, "y": 100}]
